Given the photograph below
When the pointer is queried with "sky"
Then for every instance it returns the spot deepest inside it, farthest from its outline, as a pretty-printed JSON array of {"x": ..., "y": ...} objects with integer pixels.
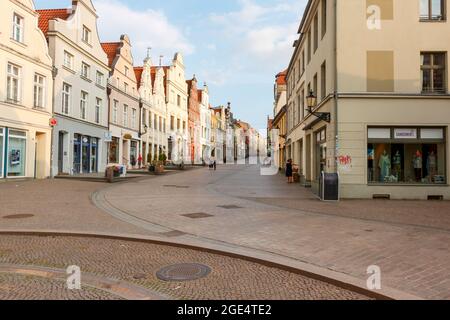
[{"x": 235, "y": 46}]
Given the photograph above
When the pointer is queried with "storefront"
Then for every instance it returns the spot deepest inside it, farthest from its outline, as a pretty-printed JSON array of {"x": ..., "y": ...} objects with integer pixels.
[
  {"x": 321, "y": 152},
  {"x": 85, "y": 152},
  {"x": 114, "y": 150},
  {"x": 13, "y": 149},
  {"x": 414, "y": 155}
]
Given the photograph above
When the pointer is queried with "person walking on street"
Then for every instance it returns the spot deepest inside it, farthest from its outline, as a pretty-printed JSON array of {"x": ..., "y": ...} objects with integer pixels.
[{"x": 289, "y": 171}]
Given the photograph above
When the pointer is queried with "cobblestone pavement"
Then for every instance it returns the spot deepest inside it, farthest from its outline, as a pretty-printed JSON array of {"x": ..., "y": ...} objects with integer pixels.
[
  {"x": 410, "y": 241},
  {"x": 138, "y": 262},
  {"x": 20, "y": 287}
]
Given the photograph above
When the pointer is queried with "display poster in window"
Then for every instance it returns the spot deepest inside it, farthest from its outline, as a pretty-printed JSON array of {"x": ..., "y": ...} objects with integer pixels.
[{"x": 15, "y": 157}]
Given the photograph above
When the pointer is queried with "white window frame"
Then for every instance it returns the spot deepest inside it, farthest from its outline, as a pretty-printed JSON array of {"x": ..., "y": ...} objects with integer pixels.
[
  {"x": 133, "y": 118},
  {"x": 85, "y": 70},
  {"x": 115, "y": 111},
  {"x": 18, "y": 26},
  {"x": 98, "y": 110},
  {"x": 99, "y": 78},
  {"x": 68, "y": 60},
  {"x": 125, "y": 115},
  {"x": 13, "y": 76},
  {"x": 84, "y": 99},
  {"x": 67, "y": 95},
  {"x": 86, "y": 35},
  {"x": 42, "y": 86},
  {"x": 25, "y": 155}
]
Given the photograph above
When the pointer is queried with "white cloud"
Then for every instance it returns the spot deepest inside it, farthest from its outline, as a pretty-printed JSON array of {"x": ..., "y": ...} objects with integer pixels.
[{"x": 146, "y": 28}]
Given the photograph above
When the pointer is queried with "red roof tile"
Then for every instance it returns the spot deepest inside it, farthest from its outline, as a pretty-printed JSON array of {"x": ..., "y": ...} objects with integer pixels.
[
  {"x": 46, "y": 15},
  {"x": 111, "y": 50},
  {"x": 138, "y": 72},
  {"x": 281, "y": 77}
]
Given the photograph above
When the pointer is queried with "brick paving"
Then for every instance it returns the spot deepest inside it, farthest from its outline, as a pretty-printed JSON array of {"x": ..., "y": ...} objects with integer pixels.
[
  {"x": 409, "y": 240},
  {"x": 21, "y": 287},
  {"x": 138, "y": 262}
]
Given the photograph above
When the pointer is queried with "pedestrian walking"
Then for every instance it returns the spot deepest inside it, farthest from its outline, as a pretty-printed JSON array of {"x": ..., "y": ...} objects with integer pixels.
[{"x": 289, "y": 171}]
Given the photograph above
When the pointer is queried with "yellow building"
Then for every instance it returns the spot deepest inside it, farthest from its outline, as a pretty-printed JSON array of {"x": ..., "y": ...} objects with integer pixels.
[
  {"x": 279, "y": 121},
  {"x": 379, "y": 71},
  {"x": 25, "y": 95}
]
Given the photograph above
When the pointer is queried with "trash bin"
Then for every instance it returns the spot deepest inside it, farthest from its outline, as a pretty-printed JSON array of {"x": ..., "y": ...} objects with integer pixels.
[{"x": 329, "y": 187}]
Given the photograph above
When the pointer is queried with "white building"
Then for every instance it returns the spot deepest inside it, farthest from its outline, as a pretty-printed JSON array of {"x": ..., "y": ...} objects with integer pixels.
[
  {"x": 154, "y": 136},
  {"x": 80, "y": 99},
  {"x": 177, "y": 112},
  {"x": 205, "y": 122},
  {"x": 124, "y": 112},
  {"x": 26, "y": 93}
]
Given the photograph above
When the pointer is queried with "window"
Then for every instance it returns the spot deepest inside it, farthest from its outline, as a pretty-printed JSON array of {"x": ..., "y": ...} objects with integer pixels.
[
  {"x": 2, "y": 143},
  {"x": 98, "y": 107},
  {"x": 302, "y": 103},
  {"x": 125, "y": 87},
  {"x": 178, "y": 100},
  {"x": 316, "y": 32},
  {"x": 125, "y": 115},
  {"x": 164, "y": 125},
  {"x": 17, "y": 28},
  {"x": 321, "y": 152},
  {"x": 172, "y": 123},
  {"x": 309, "y": 45},
  {"x": 115, "y": 110},
  {"x": 160, "y": 124},
  {"x": 17, "y": 141},
  {"x": 303, "y": 61},
  {"x": 68, "y": 60},
  {"x": 178, "y": 124},
  {"x": 133, "y": 118},
  {"x": 323, "y": 80},
  {"x": 184, "y": 126},
  {"x": 150, "y": 119},
  {"x": 126, "y": 71},
  {"x": 39, "y": 90},
  {"x": 324, "y": 17},
  {"x": 432, "y": 10},
  {"x": 99, "y": 78},
  {"x": 433, "y": 72},
  {"x": 406, "y": 156},
  {"x": 85, "y": 70},
  {"x": 66, "y": 98},
  {"x": 83, "y": 104},
  {"x": 155, "y": 118},
  {"x": 13, "y": 83},
  {"x": 86, "y": 36},
  {"x": 315, "y": 84}
]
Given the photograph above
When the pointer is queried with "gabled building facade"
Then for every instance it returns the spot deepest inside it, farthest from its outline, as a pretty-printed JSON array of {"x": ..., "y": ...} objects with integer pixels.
[
  {"x": 177, "y": 109},
  {"x": 26, "y": 93},
  {"x": 80, "y": 98},
  {"x": 124, "y": 110},
  {"x": 154, "y": 136},
  {"x": 205, "y": 122},
  {"x": 194, "y": 124}
]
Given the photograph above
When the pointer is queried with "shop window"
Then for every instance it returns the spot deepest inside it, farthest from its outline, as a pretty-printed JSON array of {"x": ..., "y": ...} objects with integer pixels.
[
  {"x": 114, "y": 150},
  {"x": 2, "y": 145},
  {"x": 407, "y": 155},
  {"x": 94, "y": 154},
  {"x": 321, "y": 152},
  {"x": 16, "y": 153}
]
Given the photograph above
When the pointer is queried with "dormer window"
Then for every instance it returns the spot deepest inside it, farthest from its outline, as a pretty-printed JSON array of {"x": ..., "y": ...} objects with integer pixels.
[
  {"x": 17, "y": 28},
  {"x": 86, "y": 37}
]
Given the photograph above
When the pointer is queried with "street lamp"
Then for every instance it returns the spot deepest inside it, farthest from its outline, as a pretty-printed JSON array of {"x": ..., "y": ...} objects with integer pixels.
[{"x": 311, "y": 103}]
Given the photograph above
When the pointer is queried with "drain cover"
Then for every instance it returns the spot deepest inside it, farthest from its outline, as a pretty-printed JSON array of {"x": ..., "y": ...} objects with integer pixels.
[
  {"x": 19, "y": 216},
  {"x": 183, "y": 272},
  {"x": 229, "y": 207}
]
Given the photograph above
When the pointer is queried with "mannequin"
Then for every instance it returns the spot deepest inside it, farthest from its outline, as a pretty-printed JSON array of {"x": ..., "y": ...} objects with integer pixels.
[
  {"x": 385, "y": 166},
  {"x": 418, "y": 165},
  {"x": 432, "y": 165},
  {"x": 398, "y": 164}
]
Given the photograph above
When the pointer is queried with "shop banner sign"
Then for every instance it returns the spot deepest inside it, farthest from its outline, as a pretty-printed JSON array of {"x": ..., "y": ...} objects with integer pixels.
[{"x": 405, "y": 133}]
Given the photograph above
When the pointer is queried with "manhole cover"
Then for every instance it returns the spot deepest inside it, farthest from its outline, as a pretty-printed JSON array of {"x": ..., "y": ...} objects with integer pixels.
[
  {"x": 229, "y": 207},
  {"x": 19, "y": 216},
  {"x": 197, "y": 215},
  {"x": 183, "y": 272}
]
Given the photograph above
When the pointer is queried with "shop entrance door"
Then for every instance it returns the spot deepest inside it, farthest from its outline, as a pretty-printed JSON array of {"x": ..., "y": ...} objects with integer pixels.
[
  {"x": 86, "y": 155},
  {"x": 77, "y": 154}
]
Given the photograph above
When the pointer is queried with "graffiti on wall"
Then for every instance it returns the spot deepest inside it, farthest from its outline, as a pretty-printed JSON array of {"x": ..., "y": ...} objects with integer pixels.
[{"x": 345, "y": 163}]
